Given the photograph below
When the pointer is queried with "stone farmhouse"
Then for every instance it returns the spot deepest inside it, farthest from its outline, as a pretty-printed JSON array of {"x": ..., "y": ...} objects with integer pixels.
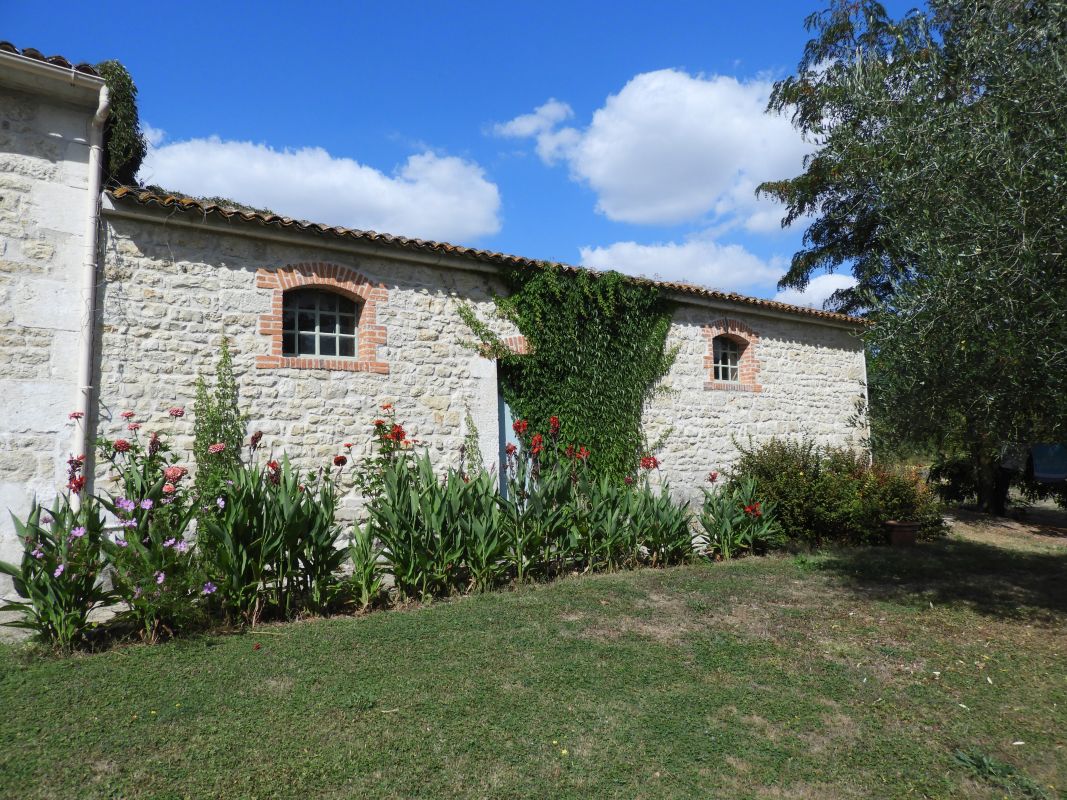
[{"x": 115, "y": 298}]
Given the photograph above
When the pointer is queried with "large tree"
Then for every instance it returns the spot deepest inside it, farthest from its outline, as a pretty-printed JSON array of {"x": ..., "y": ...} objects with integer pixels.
[{"x": 940, "y": 177}]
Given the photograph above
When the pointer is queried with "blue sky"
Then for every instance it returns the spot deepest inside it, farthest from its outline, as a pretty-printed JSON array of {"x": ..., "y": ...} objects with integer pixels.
[{"x": 618, "y": 134}]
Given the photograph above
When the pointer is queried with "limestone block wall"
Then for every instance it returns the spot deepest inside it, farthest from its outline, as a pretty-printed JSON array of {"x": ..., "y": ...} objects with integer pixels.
[
  {"x": 171, "y": 293},
  {"x": 43, "y": 176},
  {"x": 803, "y": 379}
]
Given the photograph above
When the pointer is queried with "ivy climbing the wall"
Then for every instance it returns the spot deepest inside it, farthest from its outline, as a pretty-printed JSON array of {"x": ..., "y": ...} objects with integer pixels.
[
  {"x": 124, "y": 142},
  {"x": 598, "y": 349}
]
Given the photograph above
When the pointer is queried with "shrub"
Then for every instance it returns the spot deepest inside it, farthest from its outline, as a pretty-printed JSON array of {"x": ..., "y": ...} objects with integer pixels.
[
  {"x": 737, "y": 522},
  {"x": 823, "y": 495},
  {"x": 59, "y": 575},
  {"x": 218, "y": 432},
  {"x": 365, "y": 554},
  {"x": 662, "y": 526}
]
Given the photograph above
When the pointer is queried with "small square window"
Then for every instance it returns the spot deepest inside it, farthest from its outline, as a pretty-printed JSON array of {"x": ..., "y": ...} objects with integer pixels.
[{"x": 319, "y": 323}]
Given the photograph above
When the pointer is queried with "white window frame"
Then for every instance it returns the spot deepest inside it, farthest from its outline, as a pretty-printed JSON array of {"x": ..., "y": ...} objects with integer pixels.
[
  {"x": 297, "y": 304},
  {"x": 726, "y": 359}
]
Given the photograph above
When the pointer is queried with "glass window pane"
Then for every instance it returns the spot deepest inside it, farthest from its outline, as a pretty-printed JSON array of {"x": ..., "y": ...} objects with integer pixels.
[
  {"x": 346, "y": 306},
  {"x": 289, "y": 319},
  {"x": 288, "y": 344},
  {"x": 306, "y": 321},
  {"x": 307, "y": 344},
  {"x": 327, "y": 323},
  {"x": 305, "y": 300},
  {"x": 347, "y": 323},
  {"x": 348, "y": 346},
  {"x": 327, "y": 345}
]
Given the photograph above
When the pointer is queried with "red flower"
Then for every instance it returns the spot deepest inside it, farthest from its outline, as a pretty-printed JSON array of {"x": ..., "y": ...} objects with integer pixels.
[
  {"x": 510, "y": 449},
  {"x": 386, "y": 406},
  {"x": 583, "y": 454},
  {"x": 378, "y": 423},
  {"x": 75, "y": 415},
  {"x": 127, "y": 415},
  {"x": 176, "y": 412},
  {"x": 754, "y": 510},
  {"x": 628, "y": 480},
  {"x": 121, "y": 445},
  {"x": 134, "y": 426},
  {"x": 255, "y": 440},
  {"x": 273, "y": 466},
  {"x": 520, "y": 427},
  {"x": 339, "y": 461},
  {"x": 553, "y": 426},
  {"x": 397, "y": 433},
  {"x": 713, "y": 476},
  {"x": 174, "y": 474},
  {"x": 537, "y": 443},
  {"x": 570, "y": 451},
  {"x": 169, "y": 488},
  {"x": 256, "y": 646},
  {"x": 77, "y": 483},
  {"x": 217, "y": 448},
  {"x": 649, "y": 462},
  {"x": 348, "y": 445}
]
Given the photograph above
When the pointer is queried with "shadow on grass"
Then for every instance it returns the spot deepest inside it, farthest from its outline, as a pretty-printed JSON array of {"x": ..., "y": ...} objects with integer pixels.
[{"x": 1009, "y": 584}]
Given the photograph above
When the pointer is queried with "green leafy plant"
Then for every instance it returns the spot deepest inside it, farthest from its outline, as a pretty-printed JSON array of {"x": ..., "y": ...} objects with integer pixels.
[
  {"x": 124, "y": 141},
  {"x": 366, "y": 555},
  {"x": 736, "y": 522},
  {"x": 597, "y": 350},
  {"x": 218, "y": 432},
  {"x": 59, "y": 574}
]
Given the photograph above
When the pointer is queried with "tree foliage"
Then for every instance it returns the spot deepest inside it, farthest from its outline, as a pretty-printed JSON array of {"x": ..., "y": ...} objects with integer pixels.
[
  {"x": 217, "y": 419},
  {"x": 124, "y": 142},
  {"x": 940, "y": 176}
]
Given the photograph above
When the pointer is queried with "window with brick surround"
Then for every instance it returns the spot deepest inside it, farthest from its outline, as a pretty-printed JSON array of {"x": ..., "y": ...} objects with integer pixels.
[
  {"x": 319, "y": 323},
  {"x": 731, "y": 359},
  {"x": 726, "y": 356}
]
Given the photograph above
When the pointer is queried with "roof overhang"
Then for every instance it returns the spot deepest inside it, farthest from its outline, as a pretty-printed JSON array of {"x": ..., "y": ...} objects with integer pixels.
[{"x": 55, "y": 77}]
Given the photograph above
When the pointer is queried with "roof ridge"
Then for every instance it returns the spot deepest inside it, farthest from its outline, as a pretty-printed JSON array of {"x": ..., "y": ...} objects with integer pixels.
[{"x": 148, "y": 198}]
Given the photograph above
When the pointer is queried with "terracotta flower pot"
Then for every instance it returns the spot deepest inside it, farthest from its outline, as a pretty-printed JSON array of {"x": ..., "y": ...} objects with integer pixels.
[{"x": 902, "y": 534}]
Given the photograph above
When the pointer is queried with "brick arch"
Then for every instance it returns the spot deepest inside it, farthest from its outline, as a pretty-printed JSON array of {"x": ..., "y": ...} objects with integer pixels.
[
  {"x": 335, "y": 278},
  {"x": 748, "y": 363}
]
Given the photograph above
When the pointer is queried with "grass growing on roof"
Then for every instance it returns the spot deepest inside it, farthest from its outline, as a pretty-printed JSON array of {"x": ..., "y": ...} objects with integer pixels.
[{"x": 857, "y": 674}]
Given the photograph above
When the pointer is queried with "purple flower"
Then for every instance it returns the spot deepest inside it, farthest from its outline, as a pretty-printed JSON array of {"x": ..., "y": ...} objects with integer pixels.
[
  {"x": 220, "y": 502},
  {"x": 125, "y": 505},
  {"x": 37, "y": 552},
  {"x": 166, "y": 501},
  {"x": 146, "y": 504},
  {"x": 161, "y": 576},
  {"x": 121, "y": 542},
  {"x": 77, "y": 533},
  {"x": 209, "y": 588},
  {"x": 46, "y": 520},
  {"x": 181, "y": 546},
  {"x": 170, "y": 542},
  {"x": 59, "y": 571},
  {"x": 137, "y": 593},
  {"x": 129, "y": 523}
]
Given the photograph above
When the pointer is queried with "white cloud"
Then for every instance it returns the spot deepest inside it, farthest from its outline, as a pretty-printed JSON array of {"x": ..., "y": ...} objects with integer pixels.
[
  {"x": 700, "y": 261},
  {"x": 544, "y": 118},
  {"x": 428, "y": 196},
  {"x": 817, "y": 291},
  {"x": 672, "y": 147},
  {"x": 154, "y": 136}
]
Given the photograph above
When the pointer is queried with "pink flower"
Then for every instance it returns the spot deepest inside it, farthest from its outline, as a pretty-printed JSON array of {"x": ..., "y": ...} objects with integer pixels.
[
  {"x": 37, "y": 552},
  {"x": 168, "y": 488},
  {"x": 75, "y": 415},
  {"x": 161, "y": 576},
  {"x": 173, "y": 474},
  {"x": 217, "y": 448},
  {"x": 121, "y": 542},
  {"x": 713, "y": 476},
  {"x": 176, "y": 412},
  {"x": 121, "y": 446},
  {"x": 77, "y": 533},
  {"x": 134, "y": 426},
  {"x": 59, "y": 571},
  {"x": 127, "y": 415}
]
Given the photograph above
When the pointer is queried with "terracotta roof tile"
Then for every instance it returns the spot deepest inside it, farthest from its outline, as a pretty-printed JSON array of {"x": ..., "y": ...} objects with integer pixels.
[
  {"x": 152, "y": 199},
  {"x": 57, "y": 61}
]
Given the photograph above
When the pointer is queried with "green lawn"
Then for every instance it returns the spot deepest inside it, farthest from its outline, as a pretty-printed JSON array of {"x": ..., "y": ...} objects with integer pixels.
[{"x": 856, "y": 674}]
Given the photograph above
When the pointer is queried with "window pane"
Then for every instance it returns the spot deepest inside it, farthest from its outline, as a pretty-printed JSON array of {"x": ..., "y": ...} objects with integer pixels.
[
  {"x": 327, "y": 345},
  {"x": 348, "y": 346},
  {"x": 289, "y": 319},
  {"x": 327, "y": 301},
  {"x": 305, "y": 300},
  {"x": 306, "y": 320},
  {"x": 307, "y": 344},
  {"x": 348, "y": 324},
  {"x": 327, "y": 323},
  {"x": 288, "y": 344},
  {"x": 346, "y": 306}
]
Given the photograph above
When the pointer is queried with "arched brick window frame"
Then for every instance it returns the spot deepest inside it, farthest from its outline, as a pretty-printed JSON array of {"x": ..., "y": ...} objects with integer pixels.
[
  {"x": 748, "y": 363},
  {"x": 334, "y": 278}
]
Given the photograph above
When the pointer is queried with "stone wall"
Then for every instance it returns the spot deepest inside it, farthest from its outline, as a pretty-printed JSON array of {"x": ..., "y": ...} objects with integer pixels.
[
  {"x": 44, "y": 158},
  {"x": 170, "y": 292}
]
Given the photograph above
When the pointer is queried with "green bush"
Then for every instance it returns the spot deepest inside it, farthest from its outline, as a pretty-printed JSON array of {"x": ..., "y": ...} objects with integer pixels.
[
  {"x": 833, "y": 495},
  {"x": 59, "y": 575}
]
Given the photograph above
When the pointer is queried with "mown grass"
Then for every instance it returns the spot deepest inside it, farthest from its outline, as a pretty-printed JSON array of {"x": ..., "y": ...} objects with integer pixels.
[{"x": 855, "y": 674}]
